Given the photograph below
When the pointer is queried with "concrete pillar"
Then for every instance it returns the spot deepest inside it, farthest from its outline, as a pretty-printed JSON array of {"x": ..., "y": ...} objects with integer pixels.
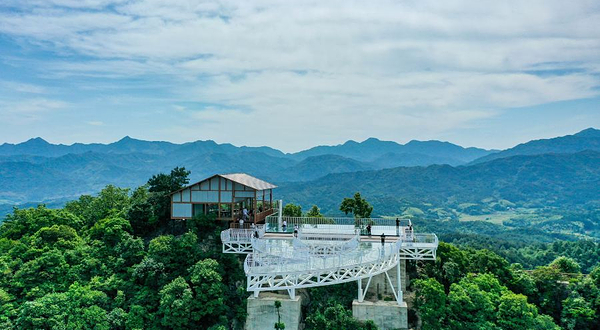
[
  {"x": 387, "y": 315},
  {"x": 380, "y": 284},
  {"x": 262, "y": 313}
]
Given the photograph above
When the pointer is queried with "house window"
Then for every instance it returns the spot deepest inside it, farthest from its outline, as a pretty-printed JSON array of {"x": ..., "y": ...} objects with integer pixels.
[{"x": 199, "y": 209}]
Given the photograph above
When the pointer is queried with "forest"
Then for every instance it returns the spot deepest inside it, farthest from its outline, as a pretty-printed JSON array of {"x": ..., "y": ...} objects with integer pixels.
[{"x": 115, "y": 261}]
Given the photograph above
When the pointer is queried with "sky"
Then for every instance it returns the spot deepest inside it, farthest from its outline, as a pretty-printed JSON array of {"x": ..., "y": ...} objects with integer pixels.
[{"x": 295, "y": 74}]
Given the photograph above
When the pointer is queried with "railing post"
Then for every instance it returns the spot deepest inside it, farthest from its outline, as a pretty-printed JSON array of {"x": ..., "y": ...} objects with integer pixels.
[{"x": 280, "y": 215}]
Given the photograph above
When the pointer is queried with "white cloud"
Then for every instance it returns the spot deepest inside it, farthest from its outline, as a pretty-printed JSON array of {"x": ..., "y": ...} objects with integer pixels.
[
  {"x": 23, "y": 112},
  {"x": 320, "y": 71},
  {"x": 23, "y": 88}
]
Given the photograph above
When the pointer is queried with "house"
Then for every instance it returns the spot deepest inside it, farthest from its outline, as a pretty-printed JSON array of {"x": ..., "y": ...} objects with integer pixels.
[{"x": 224, "y": 196}]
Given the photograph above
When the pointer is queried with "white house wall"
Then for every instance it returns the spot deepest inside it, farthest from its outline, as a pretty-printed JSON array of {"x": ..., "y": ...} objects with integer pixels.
[
  {"x": 226, "y": 196},
  {"x": 185, "y": 195},
  {"x": 244, "y": 194}
]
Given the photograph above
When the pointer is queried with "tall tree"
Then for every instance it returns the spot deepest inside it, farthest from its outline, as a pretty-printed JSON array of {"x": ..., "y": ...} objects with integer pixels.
[
  {"x": 314, "y": 212},
  {"x": 176, "y": 301},
  {"x": 161, "y": 186},
  {"x": 292, "y": 210},
  {"x": 430, "y": 301},
  {"x": 357, "y": 205}
]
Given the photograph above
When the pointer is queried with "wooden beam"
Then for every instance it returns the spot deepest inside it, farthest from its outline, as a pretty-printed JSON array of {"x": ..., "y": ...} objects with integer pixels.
[
  {"x": 254, "y": 208},
  {"x": 232, "y": 199},
  {"x": 219, "y": 199}
]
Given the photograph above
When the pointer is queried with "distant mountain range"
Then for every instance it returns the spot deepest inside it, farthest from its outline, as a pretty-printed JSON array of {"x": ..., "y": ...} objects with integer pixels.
[
  {"x": 37, "y": 171},
  {"x": 532, "y": 181},
  {"x": 588, "y": 139}
]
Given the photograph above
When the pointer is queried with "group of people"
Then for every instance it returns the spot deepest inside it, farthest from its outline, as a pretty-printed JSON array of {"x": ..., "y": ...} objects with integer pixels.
[
  {"x": 408, "y": 232},
  {"x": 245, "y": 214},
  {"x": 284, "y": 228}
]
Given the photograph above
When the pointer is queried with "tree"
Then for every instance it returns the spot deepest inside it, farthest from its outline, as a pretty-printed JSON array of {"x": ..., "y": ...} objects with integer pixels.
[
  {"x": 595, "y": 275},
  {"x": 469, "y": 306},
  {"x": 515, "y": 313},
  {"x": 110, "y": 230},
  {"x": 176, "y": 301},
  {"x": 430, "y": 302},
  {"x": 566, "y": 265},
  {"x": 336, "y": 318},
  {"x": 25, "y": 222},
  {"x": 161, "y": 186},
  {"x": 577, "y": 314},
  {"x": 551, "y": 290},
  {"x": 77, "y": 308},
  {"x": 314, "y": 212},
  {"x": 207, "y": 284},
  {"x": 177, "y": 179},
  {"x": 111, "y": 201},
  {"x": 291, "y": 210},
  {"x": 357, "y": 205},
  {"x": 60, "y": 236},
  {"x": 141, "y": 212}
]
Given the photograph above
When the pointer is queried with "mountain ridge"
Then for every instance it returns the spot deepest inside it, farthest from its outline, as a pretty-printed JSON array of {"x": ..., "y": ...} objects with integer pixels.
[
  {"x": 130, "y": 162},
  {"x": 587, "y": 139}
]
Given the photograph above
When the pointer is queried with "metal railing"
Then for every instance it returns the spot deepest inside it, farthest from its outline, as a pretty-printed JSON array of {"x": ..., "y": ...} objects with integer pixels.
[
  {"x": 242, "y": 235},
  {"x": 409, "y": 239},
  {"x": 333, "y": 222},
  {"x": 318, "y": 245}
]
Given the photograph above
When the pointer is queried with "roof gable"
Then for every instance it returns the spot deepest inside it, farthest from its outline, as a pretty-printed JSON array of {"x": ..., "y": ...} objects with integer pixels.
[
  {"x": 241, "y": 178},
  {"x": 248, "y": 181}
]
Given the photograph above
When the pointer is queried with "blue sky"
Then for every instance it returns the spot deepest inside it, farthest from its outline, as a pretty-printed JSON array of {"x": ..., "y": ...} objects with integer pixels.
[{"x": 297, "y": 74}]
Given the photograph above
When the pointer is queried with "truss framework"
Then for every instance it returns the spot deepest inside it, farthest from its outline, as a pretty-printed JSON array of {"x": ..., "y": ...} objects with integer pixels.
[
  {"x": 262, "y": 277},
  {"x": 237, "y": 247},
  {"x": 313, "y": 278},
  {"x": 271, "y": 282}
]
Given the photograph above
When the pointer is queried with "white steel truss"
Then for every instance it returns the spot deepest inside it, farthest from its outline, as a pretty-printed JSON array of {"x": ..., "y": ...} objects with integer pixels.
[
  {"x": 318, "y": 277},
  {"x": 313, "y": 258},
  {"x": 237, "y": 247}
]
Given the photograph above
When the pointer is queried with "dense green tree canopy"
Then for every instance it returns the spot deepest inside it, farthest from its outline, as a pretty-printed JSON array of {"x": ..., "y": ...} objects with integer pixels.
[
  {"x": 357, "y": 206},
  {"x": 292, "y": 210},
  {"x": 110, "y": 261}
]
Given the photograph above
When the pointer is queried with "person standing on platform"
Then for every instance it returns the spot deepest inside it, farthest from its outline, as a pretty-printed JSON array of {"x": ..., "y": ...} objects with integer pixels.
[
  {"x": 295, "y": 230},
  {"x": 397, "y": 227},
  {"x": 241, "y": 223},
  {"x": 369, "y": 230},
  {"x": 382, "y": 238},
  {"x": 284, "y": 226}
]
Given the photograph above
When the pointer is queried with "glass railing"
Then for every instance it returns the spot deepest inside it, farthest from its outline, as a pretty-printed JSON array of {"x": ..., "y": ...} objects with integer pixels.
[
  {"x": 290, "y": 261},
  {"x": 242, "y": 235},
  {"x": 389, "y": 226}
]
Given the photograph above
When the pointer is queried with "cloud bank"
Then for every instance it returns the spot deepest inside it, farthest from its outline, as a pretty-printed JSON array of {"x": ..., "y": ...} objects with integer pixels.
[{"x": 292, "y": 74}]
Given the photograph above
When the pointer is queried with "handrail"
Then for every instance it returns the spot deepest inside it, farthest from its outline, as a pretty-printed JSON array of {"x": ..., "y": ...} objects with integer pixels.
[
  {"x": 242, "y": 235},
  {"x": 272, "y": 222},
  {"x": 319, "y": 245}
]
